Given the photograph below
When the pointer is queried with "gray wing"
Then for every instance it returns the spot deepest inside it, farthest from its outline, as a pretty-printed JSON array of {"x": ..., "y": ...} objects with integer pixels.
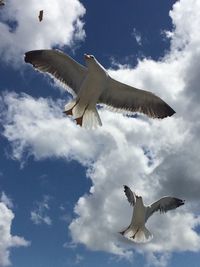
[
  {"x": 130, "y": 195},
  {"x": 130, "y": 99},
  {"x": 163, "y": 205},
  {"x": 58, "y": 64}
]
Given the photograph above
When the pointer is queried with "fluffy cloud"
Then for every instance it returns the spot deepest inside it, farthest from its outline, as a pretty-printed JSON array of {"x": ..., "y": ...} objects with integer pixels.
[
  {"x": 39, "y": 213},
  {"x": 154, "y": 157},
  {"x": 6, "y": 200},
  {"x": 47, "y": 120},
  {"x": 111, "y": 164},
  {"x": 20, "y": 29},
  {"x": 7, "y": 240},
  {"x": 137, "y": 36}
]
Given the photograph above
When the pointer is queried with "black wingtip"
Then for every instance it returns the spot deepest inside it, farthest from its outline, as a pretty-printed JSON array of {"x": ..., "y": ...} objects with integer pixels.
[
  {"x": 166, "y": 111},
  {"x": 31, "y": 55},
  {"x": 170, "y": 111},
  {"x": 179, "y": 202}
]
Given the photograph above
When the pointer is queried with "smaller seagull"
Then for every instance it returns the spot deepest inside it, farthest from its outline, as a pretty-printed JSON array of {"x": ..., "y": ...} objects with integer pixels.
[
  {"x": 2, "y": 3},
  {"x": 137, "y": 231},
  {"x": 41, "y": 15}
]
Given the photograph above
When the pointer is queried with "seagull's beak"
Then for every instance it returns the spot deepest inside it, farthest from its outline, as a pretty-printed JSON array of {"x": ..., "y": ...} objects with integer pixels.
[{"x": 86, "y": 56}]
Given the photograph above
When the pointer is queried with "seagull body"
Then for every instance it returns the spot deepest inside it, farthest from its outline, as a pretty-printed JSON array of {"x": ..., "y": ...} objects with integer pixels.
[
  {"x": 137, "y": 231},
  {"x": 92, "y": 85},
  {"x": 90, "y": 90}
]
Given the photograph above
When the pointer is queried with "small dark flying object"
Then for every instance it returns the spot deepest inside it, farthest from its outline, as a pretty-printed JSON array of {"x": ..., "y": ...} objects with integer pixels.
[
  {"x": 41, "y": 15},
  {"x": 2, "y": 3}
]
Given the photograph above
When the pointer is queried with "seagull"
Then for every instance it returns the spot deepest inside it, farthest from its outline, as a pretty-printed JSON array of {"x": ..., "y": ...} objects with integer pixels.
[
  {"x": 137, "y": 231},
  {"x": 93, "y": 85}
]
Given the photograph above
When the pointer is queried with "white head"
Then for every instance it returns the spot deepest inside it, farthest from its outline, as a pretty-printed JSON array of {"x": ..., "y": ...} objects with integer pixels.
[
  {"x": 91, "y": 62},
  {"x": 88, "y": 56},
  {"x": 139, "y": 199}
]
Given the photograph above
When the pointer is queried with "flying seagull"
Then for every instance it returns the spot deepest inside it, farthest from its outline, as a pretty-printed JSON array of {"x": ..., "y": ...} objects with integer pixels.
[
  {"x": 92, "y": 85},
  {"x": 137, "y": 231}
]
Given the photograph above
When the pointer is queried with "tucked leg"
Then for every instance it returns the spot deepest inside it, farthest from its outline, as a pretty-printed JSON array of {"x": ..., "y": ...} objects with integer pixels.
[
  {"x": 135, "y": 234},
  {"x": 79, "y": 120},
  {"x": 68, "y": 112}
]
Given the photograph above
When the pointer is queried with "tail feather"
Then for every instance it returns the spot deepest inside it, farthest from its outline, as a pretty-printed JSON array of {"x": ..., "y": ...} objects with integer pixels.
[
  {"x": 91, "y": 118},
  {"x": 138, "y": 235},
  {"x": 85, "y": 116}
]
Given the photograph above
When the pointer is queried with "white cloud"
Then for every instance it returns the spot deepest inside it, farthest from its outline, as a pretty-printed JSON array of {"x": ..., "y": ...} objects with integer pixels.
[
  {"x": 39, "y": 213},
  {"x": 6, "y": 200},
  {"x": 79, "y": 258},
  {"x": 158, "y": 259},
  {"x": 7, "y": 240},
  {"x": 20, "y": 29},
  {"x": 111, "y": 163},
  {"x": 137, "y": 36},
  {"x": 116, "y": 153}
]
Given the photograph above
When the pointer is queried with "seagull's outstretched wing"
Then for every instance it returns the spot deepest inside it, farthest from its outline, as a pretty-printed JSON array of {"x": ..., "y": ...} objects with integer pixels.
[
  {"x": 58, "y": 64},
  {"x": 130, "y": 195},
  {"x": 163, "y": 205},
  {"x": 130, "y": 99}
]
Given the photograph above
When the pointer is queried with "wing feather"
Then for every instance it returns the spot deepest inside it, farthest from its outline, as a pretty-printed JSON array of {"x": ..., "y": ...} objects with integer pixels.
[
  {"x": 59, "y": 65},
  {"x": 163, "y": 205},
  {"x": 124, "y": 97},
  {"x": 130, "y": 195}
]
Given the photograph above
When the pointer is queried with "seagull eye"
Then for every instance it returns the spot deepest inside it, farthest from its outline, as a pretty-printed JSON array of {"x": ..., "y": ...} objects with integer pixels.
[{"x": 91, "y": 56}]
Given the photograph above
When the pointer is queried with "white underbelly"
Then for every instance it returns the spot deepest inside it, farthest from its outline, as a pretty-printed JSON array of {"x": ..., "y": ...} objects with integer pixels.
[
  {"x": 138, "y": 218},
  {"x": 90, "y": 91}
]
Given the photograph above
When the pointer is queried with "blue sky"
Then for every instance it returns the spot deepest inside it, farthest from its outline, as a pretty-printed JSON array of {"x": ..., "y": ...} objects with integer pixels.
[{"x": 61, "y": 187}]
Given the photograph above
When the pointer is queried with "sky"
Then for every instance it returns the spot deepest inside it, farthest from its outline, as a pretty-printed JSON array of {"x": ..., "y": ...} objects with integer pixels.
[{"x": 61, "y": 186}]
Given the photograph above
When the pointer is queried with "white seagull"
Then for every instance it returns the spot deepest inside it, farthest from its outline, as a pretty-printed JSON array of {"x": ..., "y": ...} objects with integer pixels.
[
  {"x": 92, "y": 85},
  {"x": 137, "y": 231}
]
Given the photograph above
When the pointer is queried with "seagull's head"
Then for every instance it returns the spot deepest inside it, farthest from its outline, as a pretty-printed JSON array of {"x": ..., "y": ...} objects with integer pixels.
[
  {"x": 89, "y": 60},
  {"x": 89, "y": 57},
  {"x": 92, "y": 63},
  {"x": 139, "y": 199}
]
